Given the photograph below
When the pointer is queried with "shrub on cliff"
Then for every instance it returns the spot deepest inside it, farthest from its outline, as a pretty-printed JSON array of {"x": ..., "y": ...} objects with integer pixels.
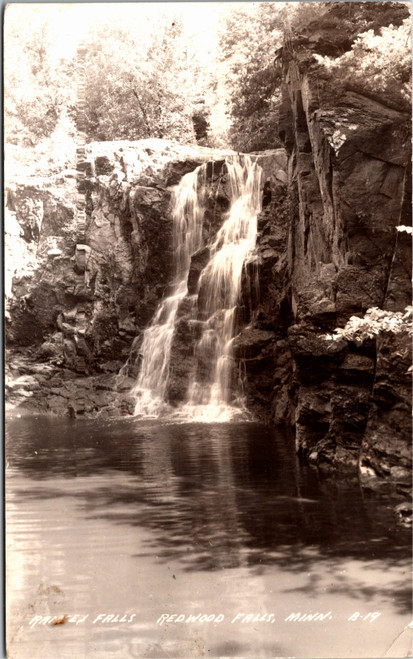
[
  {"x": 379, "y": 64},
  {"x": 373, "y": 323}
]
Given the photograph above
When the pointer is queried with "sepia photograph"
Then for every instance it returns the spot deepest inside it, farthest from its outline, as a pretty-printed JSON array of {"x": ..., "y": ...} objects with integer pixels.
[{"x": 208, "y": 330}]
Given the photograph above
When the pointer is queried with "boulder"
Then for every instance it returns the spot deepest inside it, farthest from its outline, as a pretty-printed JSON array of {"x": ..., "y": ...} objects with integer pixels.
[{"x": 250, "y": 342}]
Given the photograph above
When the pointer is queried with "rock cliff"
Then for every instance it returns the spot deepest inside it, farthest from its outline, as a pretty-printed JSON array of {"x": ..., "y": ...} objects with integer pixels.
[
  {"x": 328, "y": 253},
  {"x": 329, "y": 250},
  {"x": 76, "y": 313},
  {"x": 77, "y": 310}
]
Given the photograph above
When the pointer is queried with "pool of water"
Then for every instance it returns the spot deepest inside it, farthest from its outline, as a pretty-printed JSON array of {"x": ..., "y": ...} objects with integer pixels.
[{"x": 122, "y": 529}]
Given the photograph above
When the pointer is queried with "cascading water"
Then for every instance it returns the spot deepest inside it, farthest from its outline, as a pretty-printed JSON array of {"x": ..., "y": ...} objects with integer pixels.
[
  {"x": 210, "y": 395},
  {"x": 156, "y": 346}
]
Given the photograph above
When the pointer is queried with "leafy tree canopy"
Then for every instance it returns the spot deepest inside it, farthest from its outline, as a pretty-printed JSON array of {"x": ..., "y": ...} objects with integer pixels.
[
  {"x": 137, "y": 90},
  {"x": 38, "y": 82},
  {"x": 213, "y": 75}
]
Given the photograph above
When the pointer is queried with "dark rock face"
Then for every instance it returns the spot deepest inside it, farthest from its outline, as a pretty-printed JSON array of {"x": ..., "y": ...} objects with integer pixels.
[
  {"x": 82, "y": 306},
  {"x": 329, "y": 249},
  {"x": 198, "y": 262},
  {"x": 182, "y": 360}
]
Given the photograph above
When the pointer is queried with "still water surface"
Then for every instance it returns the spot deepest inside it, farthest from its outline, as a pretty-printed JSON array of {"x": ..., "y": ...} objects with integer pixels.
[{"x": 137, "y": 519}]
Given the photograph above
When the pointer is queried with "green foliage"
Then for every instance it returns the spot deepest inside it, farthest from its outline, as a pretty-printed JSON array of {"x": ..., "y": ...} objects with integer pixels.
[
  {"x": 354, "y": 18},
  {"x": 343, "y": 21},
  {"x": 373, "y": 323}
]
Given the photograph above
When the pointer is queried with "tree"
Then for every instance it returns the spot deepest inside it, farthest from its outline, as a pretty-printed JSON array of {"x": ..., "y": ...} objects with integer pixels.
[
  {"x": 363, "y": 43},
  {"x": 137, "y": 90},
  {"x": 39, "y": 84},
  {"x": 248, "y": 42},
  {"x": 141, "y": 75},
  {"x": 146, "y": 77}
]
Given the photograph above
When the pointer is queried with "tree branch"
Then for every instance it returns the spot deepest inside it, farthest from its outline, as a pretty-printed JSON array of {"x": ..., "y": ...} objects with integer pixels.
[{"x": 142, "y": 109}]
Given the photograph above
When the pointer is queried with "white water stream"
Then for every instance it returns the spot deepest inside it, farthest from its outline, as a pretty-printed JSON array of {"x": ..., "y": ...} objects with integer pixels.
[{"x": 210, "y": 395}]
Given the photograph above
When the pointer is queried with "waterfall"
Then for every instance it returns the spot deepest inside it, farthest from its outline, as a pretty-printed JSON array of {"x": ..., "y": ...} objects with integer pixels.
[
  {"x": 157, "y": 340},
  {"x": 210, "y": 394}
]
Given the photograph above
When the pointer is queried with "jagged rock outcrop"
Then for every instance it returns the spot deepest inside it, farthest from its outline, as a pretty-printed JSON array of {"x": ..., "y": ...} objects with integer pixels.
[
  {"x": 329, "y": 249},
  {"x": 80, "y": 307}
]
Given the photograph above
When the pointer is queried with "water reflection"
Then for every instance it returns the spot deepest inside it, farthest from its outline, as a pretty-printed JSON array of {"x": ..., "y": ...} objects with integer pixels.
[
  {"x": 147, "y": 517},
  {"x": 213, "y": 495}
]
